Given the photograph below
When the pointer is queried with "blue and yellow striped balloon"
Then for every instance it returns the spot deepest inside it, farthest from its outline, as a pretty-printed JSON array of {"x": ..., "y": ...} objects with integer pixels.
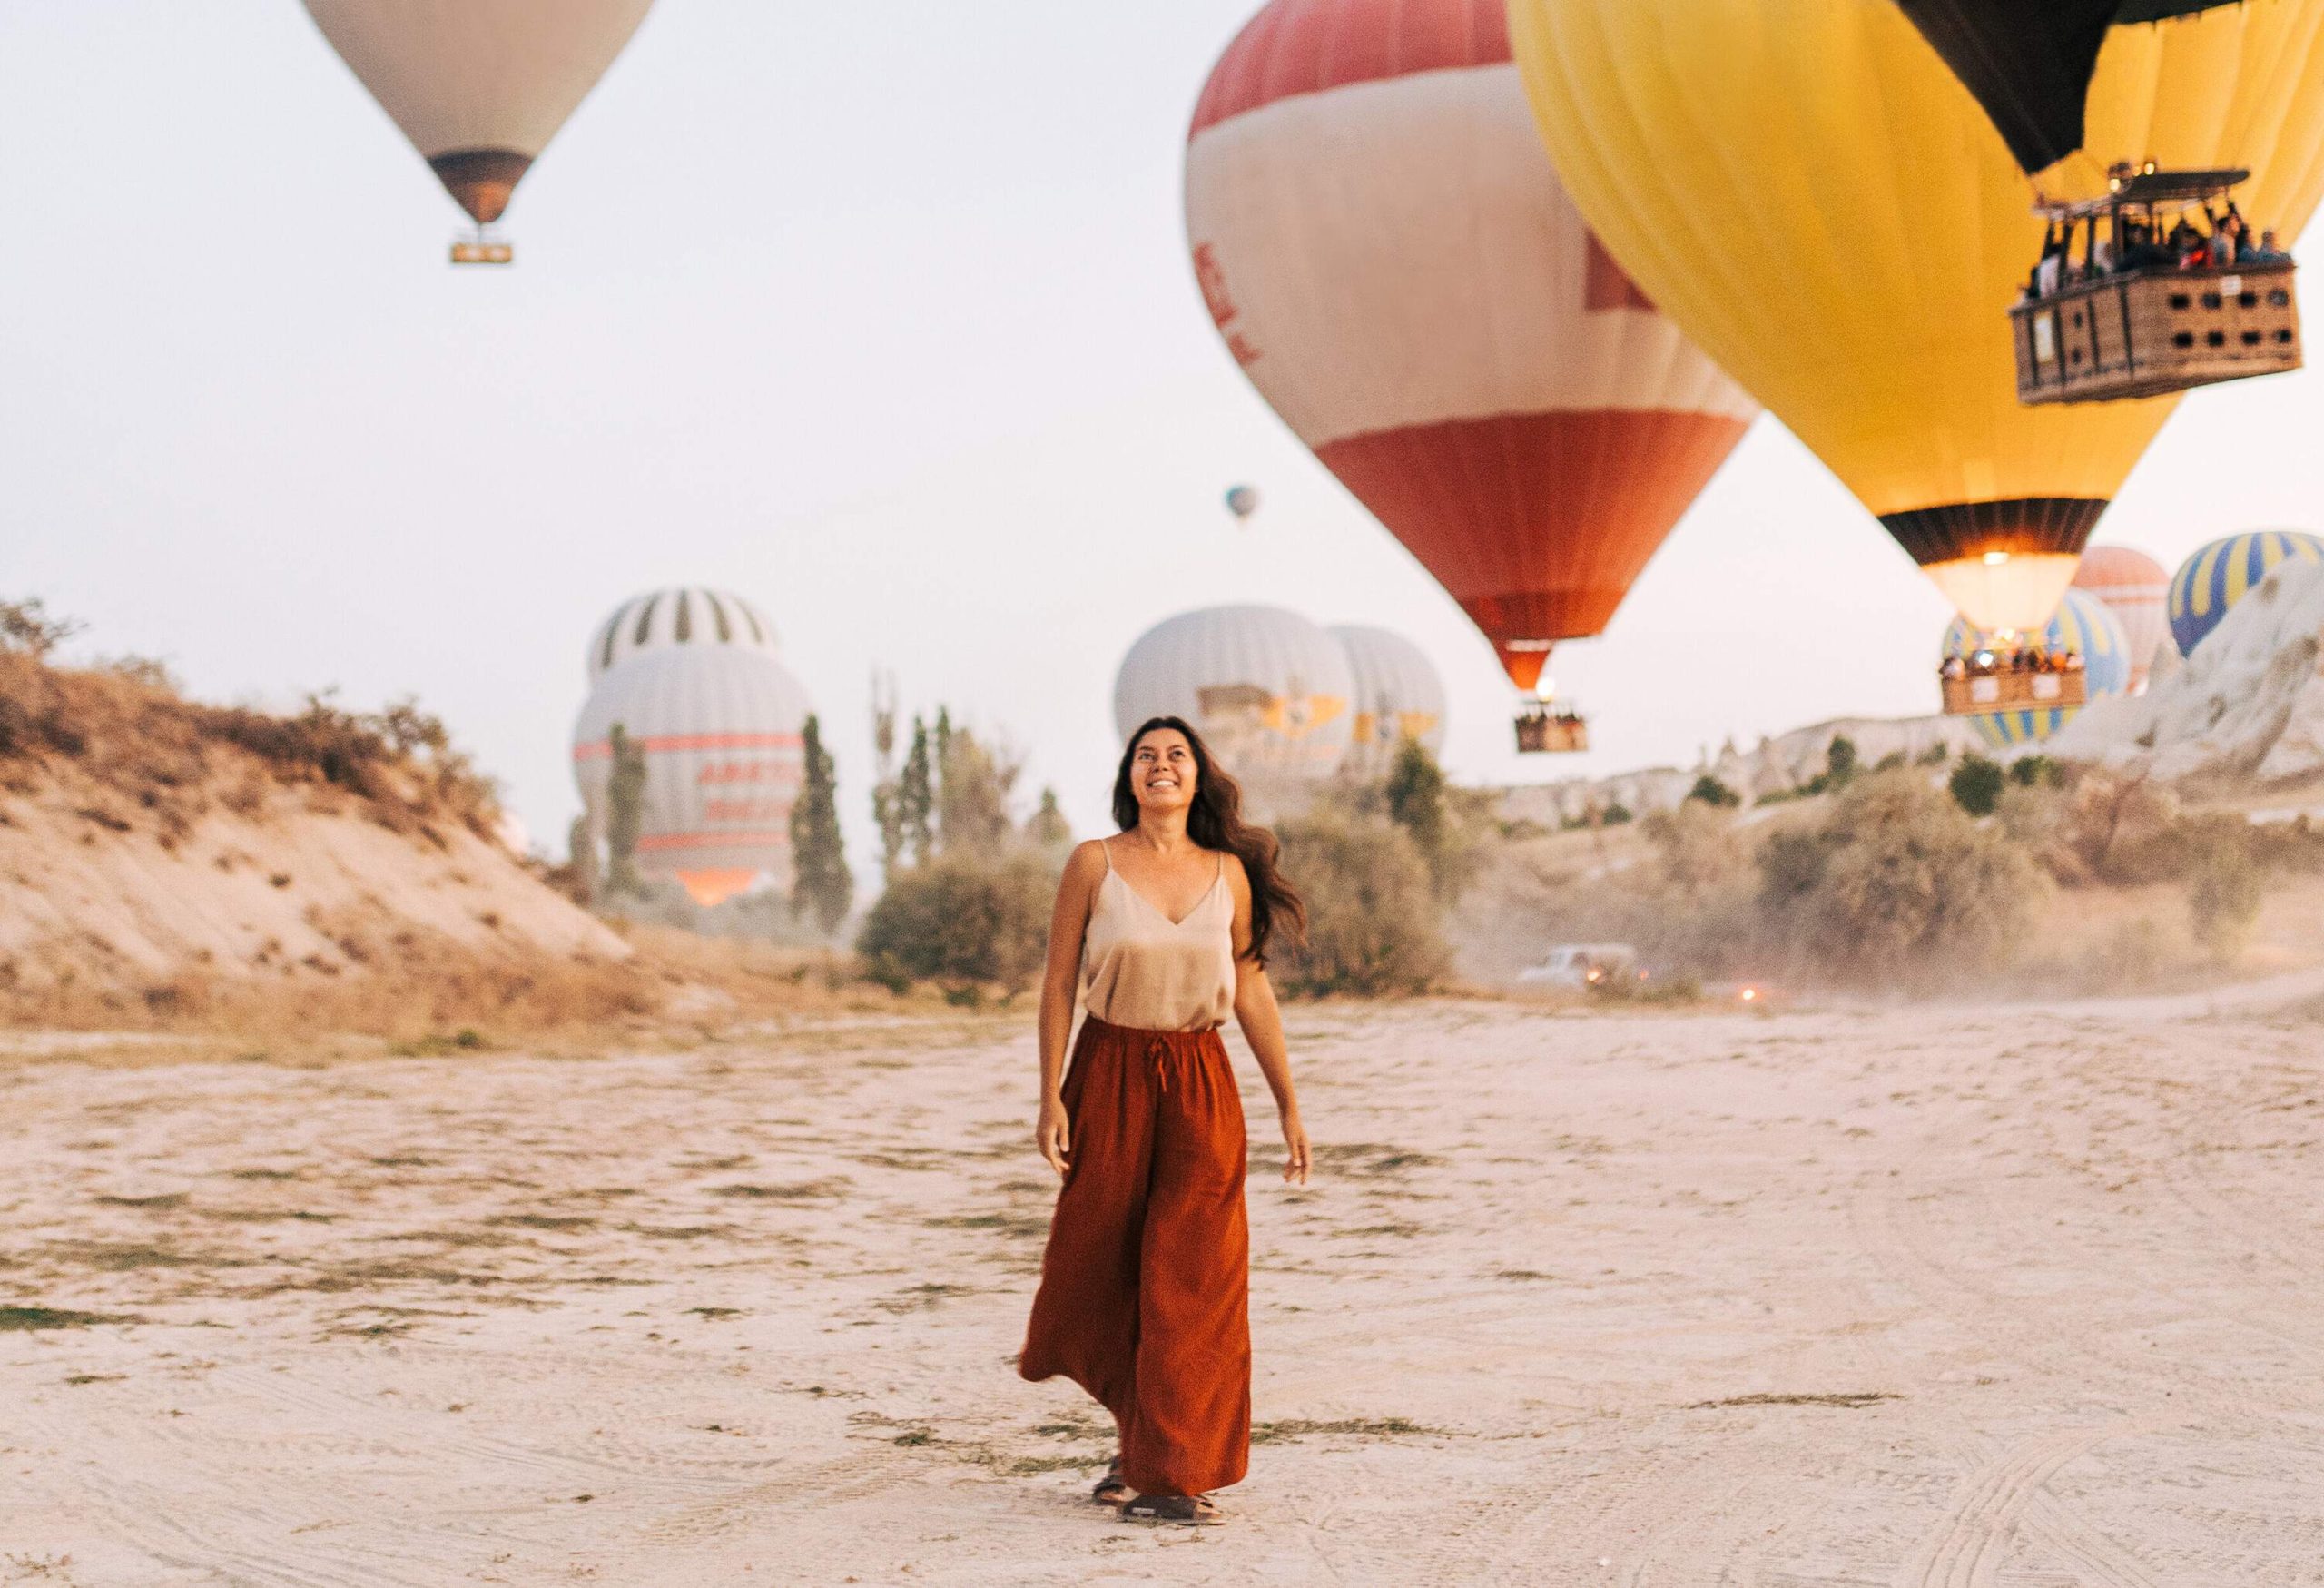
[
  {"x": 2083, "y": 624},
  {"x": 2209, "y": 584}
]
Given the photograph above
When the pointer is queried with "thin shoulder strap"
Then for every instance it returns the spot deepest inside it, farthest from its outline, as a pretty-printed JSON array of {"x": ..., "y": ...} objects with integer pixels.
[
  {"x": 1221, "y": 866},
  {"x": 1107, "y": 845}
]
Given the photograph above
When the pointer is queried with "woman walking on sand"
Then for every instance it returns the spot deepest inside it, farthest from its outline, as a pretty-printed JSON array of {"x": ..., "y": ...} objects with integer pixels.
[{"x": 1144, "y": 1300}]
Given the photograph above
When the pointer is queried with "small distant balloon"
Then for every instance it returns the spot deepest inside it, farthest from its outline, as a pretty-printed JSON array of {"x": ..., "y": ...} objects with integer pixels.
[{"x": 1243, "y": 500}]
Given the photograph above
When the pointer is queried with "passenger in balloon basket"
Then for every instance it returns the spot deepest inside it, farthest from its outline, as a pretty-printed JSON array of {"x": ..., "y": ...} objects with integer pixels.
[{"x": 1159, "y": 934}]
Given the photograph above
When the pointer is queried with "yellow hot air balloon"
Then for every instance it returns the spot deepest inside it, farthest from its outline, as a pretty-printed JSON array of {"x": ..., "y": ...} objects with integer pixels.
[{"x": 1813, "y": 196}]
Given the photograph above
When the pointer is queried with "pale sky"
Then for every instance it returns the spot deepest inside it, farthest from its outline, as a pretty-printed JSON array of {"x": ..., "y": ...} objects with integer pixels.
[{"x": 878, "y": 315}]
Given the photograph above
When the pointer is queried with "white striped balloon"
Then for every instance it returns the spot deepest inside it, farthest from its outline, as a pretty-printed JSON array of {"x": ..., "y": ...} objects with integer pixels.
[
  {"x": 1398, "y": 696},
  {"x": 1270, "y": 692},
  {"x": 721, "y": 731},
  {"x": 680, "y": 616}
]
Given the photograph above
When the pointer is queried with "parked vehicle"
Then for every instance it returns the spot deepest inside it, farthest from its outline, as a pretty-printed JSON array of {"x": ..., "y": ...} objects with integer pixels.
[{"x": 1582, "y": 966}]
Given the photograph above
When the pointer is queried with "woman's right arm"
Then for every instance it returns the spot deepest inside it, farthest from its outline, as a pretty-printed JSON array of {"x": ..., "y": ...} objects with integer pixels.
[{"x": 1077, "y": 891}]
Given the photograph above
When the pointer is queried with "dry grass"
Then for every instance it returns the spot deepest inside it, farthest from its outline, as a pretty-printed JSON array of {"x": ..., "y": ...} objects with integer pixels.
[
  {"x": 426, "y": 997},
  {"x": 143, "y": 755}
]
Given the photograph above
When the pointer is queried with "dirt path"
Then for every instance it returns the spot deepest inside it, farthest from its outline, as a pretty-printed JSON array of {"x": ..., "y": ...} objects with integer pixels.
[{"x": 1951, "y": 1299}]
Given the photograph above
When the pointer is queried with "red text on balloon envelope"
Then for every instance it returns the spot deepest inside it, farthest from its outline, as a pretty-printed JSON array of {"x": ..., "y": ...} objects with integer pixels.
[
  {"x": 724, "y": 771},
  {"x": 733, "y": 809},
  {"x": 1214, "y": 296}
]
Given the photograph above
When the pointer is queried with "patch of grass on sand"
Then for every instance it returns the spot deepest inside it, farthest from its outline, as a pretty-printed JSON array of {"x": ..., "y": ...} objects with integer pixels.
[
  {"x": 1402, "y": 1231},
  {"x": 544, "y": 1221},
  {"x": 1372, "y": 1157},
  {"x": 1850, "y": 1401},
  {"x": 921, "y": 1297},
  {"x": 77, "y": 1379},
  {"x": 1293, "y": 1428},
  {"x": 55, "y": 1317},
  {"x": 123, "y": 1259},
  {"x": 1525, "y": 1276},
  {"x": 1022, "y": 1225},
  {"x": 912, "y": 1158},
  {"x": 265, "y": 1174},
  {"x": 679, "y": 1231},
  {"x": 440, "y": 1045},
  {"x": 1026, "y": 1466},
  {"x": 714, "y": 1313},
  {"x": 161, "y": 1204},
  {"x": 343, "y": 1278},
  {"x": 803, "y": 1191}
]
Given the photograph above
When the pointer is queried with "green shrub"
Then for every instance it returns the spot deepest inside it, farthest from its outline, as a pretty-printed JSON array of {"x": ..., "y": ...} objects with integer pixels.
[
  {"x": 1840, "y": 763},
  {"x": 1710, "y": 791},
  {"x": 1977, "y": 785},
  {"x": 2035, "y": 772},
  {"x": 966, "y": 922},
  {"x": 1419, "y": 800},
  {"x": 1374, "y": 928},
  {"x": 1899, "y": 884}
]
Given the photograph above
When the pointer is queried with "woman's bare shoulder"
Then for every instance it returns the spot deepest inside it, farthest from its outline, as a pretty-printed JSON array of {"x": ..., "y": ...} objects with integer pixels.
[{"x": 1088, "y": 859}]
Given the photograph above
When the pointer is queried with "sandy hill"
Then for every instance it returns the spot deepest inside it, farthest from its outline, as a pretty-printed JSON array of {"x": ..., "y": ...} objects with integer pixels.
[{"x": 156, "y": 853}]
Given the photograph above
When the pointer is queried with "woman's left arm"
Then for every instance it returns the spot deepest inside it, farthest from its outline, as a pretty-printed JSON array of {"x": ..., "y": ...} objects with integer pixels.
[{"x": 1262, "y": 1022}]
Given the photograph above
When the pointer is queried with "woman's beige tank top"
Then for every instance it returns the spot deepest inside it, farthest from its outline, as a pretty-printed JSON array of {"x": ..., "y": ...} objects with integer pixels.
[{"x": 1141, "y": 969}]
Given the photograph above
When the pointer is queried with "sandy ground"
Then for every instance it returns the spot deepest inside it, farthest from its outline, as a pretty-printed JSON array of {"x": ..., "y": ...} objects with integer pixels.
[{"x": 1937, "y": 1297}]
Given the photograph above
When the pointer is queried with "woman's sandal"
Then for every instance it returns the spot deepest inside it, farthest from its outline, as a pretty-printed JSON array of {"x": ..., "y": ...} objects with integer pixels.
[
  {"x": 1113, "y": 1489},
  {"x": 1178, "y": 1509}
]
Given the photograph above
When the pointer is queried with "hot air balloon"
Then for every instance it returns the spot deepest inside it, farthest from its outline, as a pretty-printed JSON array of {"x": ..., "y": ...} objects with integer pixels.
[
  {"x": 2134, "y": 587},
  {"x": 2082, "y": 626},
  {"x": 479, "y": 86},
  {"x": 2209, "y": 584},
  {"x": 681, "y": 615},
  {"x": 2030, "y": 67},
  {"x": 1394, "y": 266},
  {"x": 1271, "y": 693},
  {"x": 720, "y": 726},
  {"x": 1808, "y": 189},
  {"x": 1398, "y": 696},
  {"x": 1243, "y": 500}
]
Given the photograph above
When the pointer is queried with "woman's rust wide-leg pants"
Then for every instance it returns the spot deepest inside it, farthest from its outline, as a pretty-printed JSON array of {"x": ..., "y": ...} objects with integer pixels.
[{"x": 1145, "y": 1289}]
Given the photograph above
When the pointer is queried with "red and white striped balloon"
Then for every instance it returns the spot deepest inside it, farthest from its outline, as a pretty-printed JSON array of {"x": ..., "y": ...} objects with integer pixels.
[
  {"x": 721, "y": 729},
  {"x": 1390, "y": 257}
]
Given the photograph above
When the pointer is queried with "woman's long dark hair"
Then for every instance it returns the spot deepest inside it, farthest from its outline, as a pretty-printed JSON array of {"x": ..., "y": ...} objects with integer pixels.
[{"x": 1215, "y": 821}]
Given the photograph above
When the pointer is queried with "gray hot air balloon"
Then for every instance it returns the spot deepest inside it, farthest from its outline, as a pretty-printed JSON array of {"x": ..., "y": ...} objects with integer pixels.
[
  {"x": 1270, "y": 692},
  {"x": 721, "y": 729},
  {"x": 1243, "y": 500},
  {"x": 680, "y": 615},
  {"x": 479, "y": 86},
  {"x": 1398, "y": 696}
]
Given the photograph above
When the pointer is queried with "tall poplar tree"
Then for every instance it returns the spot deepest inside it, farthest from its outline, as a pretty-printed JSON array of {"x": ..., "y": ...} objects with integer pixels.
[{"x": 822, "y": 887}]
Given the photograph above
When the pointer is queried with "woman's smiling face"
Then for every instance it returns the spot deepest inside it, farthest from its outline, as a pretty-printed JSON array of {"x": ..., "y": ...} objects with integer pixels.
[{"x": 1162, "y": 771}]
